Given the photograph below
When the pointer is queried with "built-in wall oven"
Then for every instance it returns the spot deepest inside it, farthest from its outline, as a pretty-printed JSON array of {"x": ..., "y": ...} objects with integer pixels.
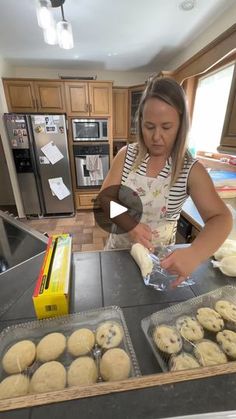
[{"x": 91, "y": 164}]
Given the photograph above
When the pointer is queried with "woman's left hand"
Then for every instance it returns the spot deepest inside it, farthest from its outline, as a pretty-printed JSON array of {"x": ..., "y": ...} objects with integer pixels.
[{"x": 181, "y": 262}]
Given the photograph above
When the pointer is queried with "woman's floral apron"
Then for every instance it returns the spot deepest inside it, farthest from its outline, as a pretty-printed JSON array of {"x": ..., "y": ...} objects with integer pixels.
[{"x": 153, "y": 193}]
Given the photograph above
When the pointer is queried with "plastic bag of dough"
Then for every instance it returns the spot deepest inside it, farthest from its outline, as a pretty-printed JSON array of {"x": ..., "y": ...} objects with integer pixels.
[
  {"x": 227, "y": 265},
  {"x": 149, "y": 264},
  {"x": 142, "y": 258},
  {"x": 228, "y": 248}
]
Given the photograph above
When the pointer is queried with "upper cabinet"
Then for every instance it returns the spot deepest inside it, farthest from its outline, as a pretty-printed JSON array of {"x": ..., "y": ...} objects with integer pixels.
[
  {"x": 34, "y": 96},
  {"x": 20, "y": 95},
  {"x": 120, "y": 113},
  {"x": 228, "y": 138},
  {"x": 89, "y": 98},
  {"x": 50, "y": 96},
  {"x": 135, "y": 94}
]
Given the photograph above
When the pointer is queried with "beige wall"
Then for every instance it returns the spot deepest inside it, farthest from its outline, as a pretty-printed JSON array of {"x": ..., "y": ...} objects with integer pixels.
[
  {"x": 224, "y": 22},
  {"x": 9, "y": 189},
  {"x": 120, "y": 78}
]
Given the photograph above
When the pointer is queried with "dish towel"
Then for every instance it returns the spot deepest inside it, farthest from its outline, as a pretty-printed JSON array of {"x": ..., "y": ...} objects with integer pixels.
[{"x": 94, "y": 166}]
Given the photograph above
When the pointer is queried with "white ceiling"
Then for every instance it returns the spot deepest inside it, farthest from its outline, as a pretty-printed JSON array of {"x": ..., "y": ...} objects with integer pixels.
[{"x": 140, "y": 35}]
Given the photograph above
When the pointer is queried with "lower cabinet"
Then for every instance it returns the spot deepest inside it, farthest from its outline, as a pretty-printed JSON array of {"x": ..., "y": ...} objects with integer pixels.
[
  {"x": 86, "y": 200},
  {"x": 186, "y": 232}
]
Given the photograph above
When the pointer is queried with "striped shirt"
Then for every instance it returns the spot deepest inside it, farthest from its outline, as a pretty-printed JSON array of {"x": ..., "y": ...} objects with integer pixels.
[{"x": 177, "y": 193}]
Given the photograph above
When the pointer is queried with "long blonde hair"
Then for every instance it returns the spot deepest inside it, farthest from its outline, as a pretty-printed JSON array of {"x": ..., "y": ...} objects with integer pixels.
[{"x": 171, "y": 92}]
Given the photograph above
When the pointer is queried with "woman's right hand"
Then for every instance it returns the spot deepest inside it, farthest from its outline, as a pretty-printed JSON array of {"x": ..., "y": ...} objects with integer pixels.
[{"x": 142, "y": 234}]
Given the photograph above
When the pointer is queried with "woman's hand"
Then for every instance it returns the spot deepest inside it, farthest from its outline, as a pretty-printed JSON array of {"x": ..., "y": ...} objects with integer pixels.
[
  {"x": 142, "y": 234},
  {"x": 181, "y": 262}
]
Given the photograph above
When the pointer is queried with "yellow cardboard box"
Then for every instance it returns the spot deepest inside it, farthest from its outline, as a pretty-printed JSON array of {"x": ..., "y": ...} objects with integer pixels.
[{"x": 51, "y": 294}]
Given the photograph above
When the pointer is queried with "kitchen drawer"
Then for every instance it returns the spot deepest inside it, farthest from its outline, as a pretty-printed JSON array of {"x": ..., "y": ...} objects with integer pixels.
[{"x": 86, "y": 200}]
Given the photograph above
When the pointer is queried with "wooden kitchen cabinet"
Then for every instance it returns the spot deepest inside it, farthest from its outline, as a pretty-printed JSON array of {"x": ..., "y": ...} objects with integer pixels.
[
  {"x": 135, "y": 94},
  {"x": 34, "y": 96},
  {"x": 20, "y": 95},
  {"x": 50, "y": 96},
  {"x": 228, "y": 138},
  {"x": 88, "y": 98},
  {"x": 120, "y": 112},
  {"x": 186, "y": 231},
  {"x": 86, "y": 200}
]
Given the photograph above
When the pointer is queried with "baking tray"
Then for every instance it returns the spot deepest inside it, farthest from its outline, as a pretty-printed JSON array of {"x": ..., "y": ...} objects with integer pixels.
[
  {"x": 169, "y": 316},
  {"x": 91, "y": 319}
]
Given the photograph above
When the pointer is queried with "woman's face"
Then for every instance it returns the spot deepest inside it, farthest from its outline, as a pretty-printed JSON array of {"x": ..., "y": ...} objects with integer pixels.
[{"x": 160, "y": 124}]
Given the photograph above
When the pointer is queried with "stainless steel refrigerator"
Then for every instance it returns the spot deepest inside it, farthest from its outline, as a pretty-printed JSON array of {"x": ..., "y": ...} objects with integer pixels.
[{"x": 40, "y": 152}]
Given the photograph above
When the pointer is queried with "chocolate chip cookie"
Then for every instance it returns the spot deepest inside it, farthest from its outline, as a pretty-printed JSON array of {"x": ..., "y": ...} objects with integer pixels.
[
  {"x": 210, "y": 319},
  {"x": 167, "y": 339},
  {"x": 226, "y": 309},
  {"x": 227, "y": 341},
  {"x": 190, "y": 328},
  {"x": 183, "y": 361},
  {"x": 109, "y": 334},
  {"x": 209, "y": 353}
]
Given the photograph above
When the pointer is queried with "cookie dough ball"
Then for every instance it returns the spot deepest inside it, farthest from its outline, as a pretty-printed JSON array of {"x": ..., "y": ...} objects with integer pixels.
[
  {"x": 115, "y": 365},
  {"x": 82, "y": 371},
  {"x": 226, "y": 309},
  {"x": 109, "y": 335},
  {"x": 81, "y": 342},
  {"x": 19, "y": 357},
  {"x": 14, "y": 386},
  {"x": 227, "y": 265},
  {"x": 190, "y": 328},
  {"x": 51, "y": 376},
  {"x": 167, "y": 339},
  {"x": 142, "y": 258},
  {"x": 51, "y": 347},
  {"x": 210, "y": 319},
  {"x": 183, "y": 361},
  {"x": 228, "y": 248},
  {"x": 227, "y": 341},
  {"x": 209, "y": 353}
]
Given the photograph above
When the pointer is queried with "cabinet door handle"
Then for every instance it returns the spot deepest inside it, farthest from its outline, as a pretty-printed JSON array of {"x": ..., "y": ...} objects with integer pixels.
[
  {"x": 86, "y": 107},
  {"x": 90, "y": 108}
]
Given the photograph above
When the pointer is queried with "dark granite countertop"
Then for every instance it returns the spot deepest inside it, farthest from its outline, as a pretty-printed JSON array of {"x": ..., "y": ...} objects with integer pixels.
[{"x": 112, "y": 278}]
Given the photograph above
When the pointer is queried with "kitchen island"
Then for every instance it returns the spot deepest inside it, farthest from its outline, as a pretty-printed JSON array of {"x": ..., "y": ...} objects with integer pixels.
[
  {"x": 112, "y": 278},
  {"x": 191, "y": 213}
]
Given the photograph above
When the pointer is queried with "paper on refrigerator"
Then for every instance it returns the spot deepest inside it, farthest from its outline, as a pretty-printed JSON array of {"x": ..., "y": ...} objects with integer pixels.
[
  {"x": 52, "y": 152},
  {"x": 58, "y": 188}
]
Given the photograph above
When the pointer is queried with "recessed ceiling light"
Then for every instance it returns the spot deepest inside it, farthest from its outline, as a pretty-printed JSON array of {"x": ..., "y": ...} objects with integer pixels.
[
  {"x": 187, "y": 5},
  {"x": 111, "y": 54}
]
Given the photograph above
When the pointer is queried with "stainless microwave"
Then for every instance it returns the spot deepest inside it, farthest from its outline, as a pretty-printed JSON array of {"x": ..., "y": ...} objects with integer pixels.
[{"x": 89, "y": 129}]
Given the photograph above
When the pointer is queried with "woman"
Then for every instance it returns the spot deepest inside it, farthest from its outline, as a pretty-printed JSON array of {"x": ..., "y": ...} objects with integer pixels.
[{"x": 163, "y": 174}]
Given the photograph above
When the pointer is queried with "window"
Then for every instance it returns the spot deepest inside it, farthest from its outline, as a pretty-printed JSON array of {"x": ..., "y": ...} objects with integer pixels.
[{"x": 209, "y": 110}]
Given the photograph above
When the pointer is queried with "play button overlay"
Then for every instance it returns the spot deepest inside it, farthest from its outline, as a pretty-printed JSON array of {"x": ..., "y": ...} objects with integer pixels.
[
  {"x": 115, "y": 201},
  {"x": 116, "y": 209}
]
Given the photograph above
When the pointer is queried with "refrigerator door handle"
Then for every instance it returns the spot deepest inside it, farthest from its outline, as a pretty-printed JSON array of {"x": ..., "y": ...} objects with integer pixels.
[{"x": 34, "y": 162}]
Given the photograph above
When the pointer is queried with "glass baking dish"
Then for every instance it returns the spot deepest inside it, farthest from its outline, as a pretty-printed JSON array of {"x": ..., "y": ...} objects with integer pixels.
[
  {"x": 170, "y": 315},
  {"x": 91, "y": 319}
]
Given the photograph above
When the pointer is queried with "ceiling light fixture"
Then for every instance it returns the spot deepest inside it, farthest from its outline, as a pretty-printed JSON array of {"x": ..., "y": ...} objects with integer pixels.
[
  {"x": 44, "y": 16},
  {"x": 53, "y": 34}
]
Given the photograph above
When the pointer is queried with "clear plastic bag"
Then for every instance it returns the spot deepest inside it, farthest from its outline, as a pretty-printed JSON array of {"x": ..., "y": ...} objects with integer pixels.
[{"x": 160, "y": 279}]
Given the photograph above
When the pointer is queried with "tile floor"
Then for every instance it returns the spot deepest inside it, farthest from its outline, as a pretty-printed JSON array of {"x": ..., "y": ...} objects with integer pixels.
[{"x": 86, "y": 234}]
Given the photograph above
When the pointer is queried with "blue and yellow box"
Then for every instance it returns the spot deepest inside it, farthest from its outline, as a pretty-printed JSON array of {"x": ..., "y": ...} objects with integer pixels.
[{"x": 51, "y": 294}]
